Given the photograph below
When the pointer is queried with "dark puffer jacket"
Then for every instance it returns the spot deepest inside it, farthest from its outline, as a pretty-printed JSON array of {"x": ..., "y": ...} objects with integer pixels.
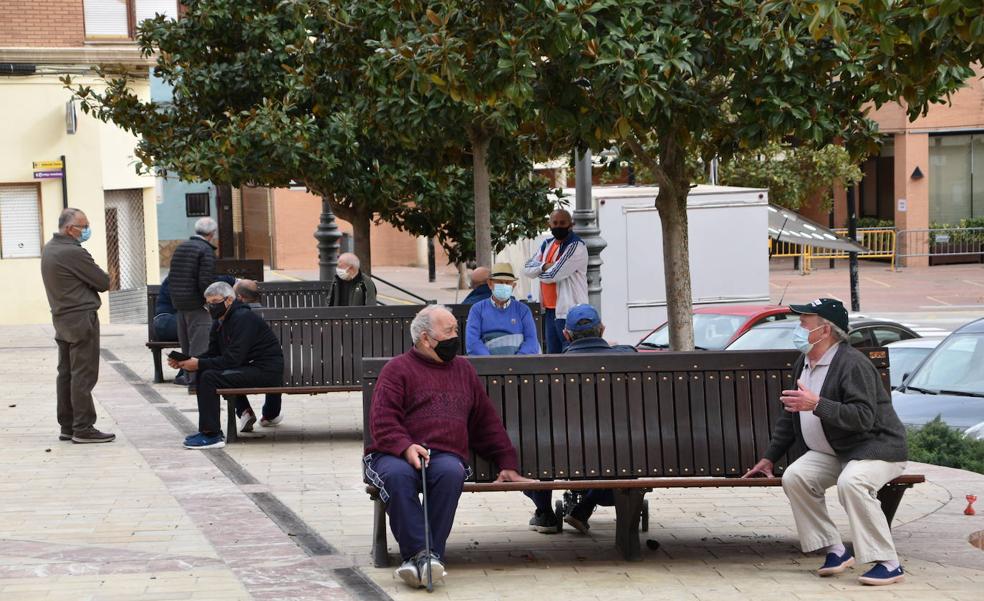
[
  {"x": 192, "y": 271},
  {"x": 242, "y": 338}
]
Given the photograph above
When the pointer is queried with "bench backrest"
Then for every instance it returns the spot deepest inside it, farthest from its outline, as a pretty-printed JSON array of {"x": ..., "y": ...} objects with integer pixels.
[
  {"x": 628, "y": 416},
  {"x": 272, "y": 294},
  {"x": 324, "y": 346}
]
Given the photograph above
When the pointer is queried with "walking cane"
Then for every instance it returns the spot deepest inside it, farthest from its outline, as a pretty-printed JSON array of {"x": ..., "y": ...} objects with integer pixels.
[{"x": 427, "y": 534}]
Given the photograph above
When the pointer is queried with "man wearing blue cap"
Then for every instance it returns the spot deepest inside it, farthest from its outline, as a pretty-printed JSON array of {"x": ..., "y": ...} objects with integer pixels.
[
  {"x": 842, "y": 414},
  {"x": 584, "y": 331}
]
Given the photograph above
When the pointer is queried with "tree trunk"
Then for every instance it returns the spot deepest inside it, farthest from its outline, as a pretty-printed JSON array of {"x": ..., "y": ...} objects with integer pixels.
[
  {"x": 462, "y": 276},
  {"x": 361, "y": 220},
  {"x": 362, "y": 239},
  {"x": 672, "y": 206},
  {"x": 483, "y": 214}
]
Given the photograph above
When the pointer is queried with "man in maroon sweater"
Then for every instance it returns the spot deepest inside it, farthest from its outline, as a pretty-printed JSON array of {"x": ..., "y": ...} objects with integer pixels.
[{"x": 430, "y": 406}]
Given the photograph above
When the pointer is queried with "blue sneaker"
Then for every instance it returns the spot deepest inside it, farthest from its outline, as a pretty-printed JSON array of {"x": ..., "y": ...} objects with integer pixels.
[
  {"x": 203, "y": 441},
  {"x": 836, "y": 564},
  {"x": 880, "y": 575}
]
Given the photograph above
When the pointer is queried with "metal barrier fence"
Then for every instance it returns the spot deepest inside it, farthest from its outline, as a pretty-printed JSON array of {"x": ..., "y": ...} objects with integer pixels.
[
  {"x": 880, "y": 243},
  {"x": 941, "y": 242}
]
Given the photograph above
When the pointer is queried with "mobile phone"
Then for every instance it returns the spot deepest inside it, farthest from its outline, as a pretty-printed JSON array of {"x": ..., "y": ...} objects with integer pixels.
[{"x": 178, "y": 356}]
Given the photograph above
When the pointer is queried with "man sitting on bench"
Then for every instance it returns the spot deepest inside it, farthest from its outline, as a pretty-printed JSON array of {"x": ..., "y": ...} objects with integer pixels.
[
  {"x": 248, "y": 293},
  {"x": 843, "y": 415},
  {"x": 242, "y": 352},
  {"x": 430, "y": 406}
]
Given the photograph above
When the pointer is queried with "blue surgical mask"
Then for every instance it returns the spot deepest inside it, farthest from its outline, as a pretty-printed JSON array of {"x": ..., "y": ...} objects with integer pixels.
[
  {"x": 801, "y": 339},
  {"x": 86, "y": 233},
  {"x": 502, "y": 292}
]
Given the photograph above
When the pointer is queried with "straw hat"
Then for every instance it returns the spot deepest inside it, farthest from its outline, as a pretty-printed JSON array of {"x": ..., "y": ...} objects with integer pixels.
[{"x": 502, "y": 271}]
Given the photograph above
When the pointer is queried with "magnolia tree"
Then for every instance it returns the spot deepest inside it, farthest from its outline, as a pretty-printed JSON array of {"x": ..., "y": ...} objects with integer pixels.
[
  {"x": 678, "y": 79},
  {"x": 275, "y": 93}
]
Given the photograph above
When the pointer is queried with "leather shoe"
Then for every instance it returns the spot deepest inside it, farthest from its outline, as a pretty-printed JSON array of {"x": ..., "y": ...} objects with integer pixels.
[{"x": 92, "y": 435}]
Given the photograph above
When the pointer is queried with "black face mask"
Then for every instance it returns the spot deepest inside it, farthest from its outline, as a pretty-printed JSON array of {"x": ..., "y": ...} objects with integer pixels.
[
  {"x": 446, "y": 350},
  {"x": 560, "y": 232},
  {"x": 217, "y": 310}
]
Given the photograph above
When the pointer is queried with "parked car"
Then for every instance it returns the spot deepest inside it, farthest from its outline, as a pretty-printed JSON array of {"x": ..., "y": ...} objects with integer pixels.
[
  {"x": 904, "y": 356},
  {"x": 949, "y": 382},
  {"x": 865, "y": 331},
  {"x": 716, "y": 327}
]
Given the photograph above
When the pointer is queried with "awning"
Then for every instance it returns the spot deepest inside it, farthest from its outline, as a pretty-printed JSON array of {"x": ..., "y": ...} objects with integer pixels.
[{"x": 787, "y": 226}]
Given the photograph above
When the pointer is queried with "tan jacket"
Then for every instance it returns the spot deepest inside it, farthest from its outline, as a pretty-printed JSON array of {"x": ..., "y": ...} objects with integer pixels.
[{"x": 72, "y": 280}]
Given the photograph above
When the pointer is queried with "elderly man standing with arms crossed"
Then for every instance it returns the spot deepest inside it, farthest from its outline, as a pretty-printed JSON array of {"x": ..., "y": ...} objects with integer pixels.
[
  {"x": 843, "y": 415},
  {"x": 561, "y": 266},
  {"x": 73, "y": 281},
  {"x": 429, "y": 406}
]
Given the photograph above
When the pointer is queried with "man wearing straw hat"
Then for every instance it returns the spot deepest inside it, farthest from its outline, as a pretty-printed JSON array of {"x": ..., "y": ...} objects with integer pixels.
[{"x": 501, "y": 325}]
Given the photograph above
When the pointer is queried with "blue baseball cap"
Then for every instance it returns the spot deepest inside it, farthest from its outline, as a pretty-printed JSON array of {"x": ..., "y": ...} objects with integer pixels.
[{"x": 582, "y": 317}]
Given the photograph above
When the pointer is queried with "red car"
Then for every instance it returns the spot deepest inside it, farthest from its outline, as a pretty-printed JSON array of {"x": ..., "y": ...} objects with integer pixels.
[{"x": 716, "y": 327}]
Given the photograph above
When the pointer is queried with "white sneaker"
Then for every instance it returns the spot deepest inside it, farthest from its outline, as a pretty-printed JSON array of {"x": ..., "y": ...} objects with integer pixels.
[
  {"x": 270, "y": 423},
  {"x": 246, "y": 421},
  {"x": 407, "y": 572}
]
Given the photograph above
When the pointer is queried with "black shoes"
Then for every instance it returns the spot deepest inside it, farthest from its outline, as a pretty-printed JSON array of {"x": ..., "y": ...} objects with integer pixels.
[
  {"x": 545, "y": 522},
  {"x": 92, "y": 435}
]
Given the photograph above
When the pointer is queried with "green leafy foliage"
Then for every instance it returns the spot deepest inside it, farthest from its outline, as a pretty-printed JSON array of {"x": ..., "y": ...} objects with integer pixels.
[
  {"x": 793, "y": 175},
  {"x": 939, "y": 444},
  {"x": 270, "y": 93}
]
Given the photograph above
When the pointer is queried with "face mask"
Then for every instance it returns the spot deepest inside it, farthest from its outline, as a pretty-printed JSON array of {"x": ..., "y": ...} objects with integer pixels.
[
  {"x": 560, "y": 232},
  {"x": 801, "y": 339},
  {"x": 502, "y": 292},
  {"x": 85, "y": 234},
  {"x": 217, "y": 310},
  {"x": 447, "y": 349},
  {"x": 342, "y": 274}
]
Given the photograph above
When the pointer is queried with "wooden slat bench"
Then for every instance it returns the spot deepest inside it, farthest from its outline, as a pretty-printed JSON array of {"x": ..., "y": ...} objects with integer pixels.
[
  {"x": 273, "y": 294},
  {"x": 632, "y": 423},
  {"x": 324, "y": 346}
]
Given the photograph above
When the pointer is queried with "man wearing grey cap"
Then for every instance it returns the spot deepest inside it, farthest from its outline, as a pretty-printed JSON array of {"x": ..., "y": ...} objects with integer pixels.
[{"x": 842, "y": 414}]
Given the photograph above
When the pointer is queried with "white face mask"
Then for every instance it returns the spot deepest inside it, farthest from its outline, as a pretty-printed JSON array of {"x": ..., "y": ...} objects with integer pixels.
[
  {"x": 342, "y": 274},
  {"x": 801, "y": 339}
]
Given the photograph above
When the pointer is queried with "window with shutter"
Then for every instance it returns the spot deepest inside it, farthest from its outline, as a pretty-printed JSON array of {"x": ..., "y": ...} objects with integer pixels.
[
  {"x": 146, "y": 9},
  {"x": 106, "y": 19},
  {"x": 20, "y": 222}
]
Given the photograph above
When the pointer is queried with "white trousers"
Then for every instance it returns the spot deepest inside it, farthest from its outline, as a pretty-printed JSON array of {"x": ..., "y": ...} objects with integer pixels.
[{"x": 858, "y": 483}]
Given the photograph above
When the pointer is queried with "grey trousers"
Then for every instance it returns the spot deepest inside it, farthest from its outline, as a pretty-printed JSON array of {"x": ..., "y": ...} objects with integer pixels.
[
  {"x": 193, "y": 329},
  {"x": 77, "y": 336},
  {"x": 858, "y": 483}
]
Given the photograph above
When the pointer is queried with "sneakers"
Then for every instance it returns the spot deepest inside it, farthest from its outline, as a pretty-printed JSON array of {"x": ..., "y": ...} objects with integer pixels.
[
  {"x": 835, "y": 564},
  {"x": 545, "y": 522},
  {"x": 90, "y": 435},
  {"x": 181, "y": 380},
  {"x": 65, "y": 435},
  {"x": 880, "y": 576},
  {"x": 414, "y": 570},
  {"x": 271, "y": 422},
  {"x": 204, "y": 441},
  {"x": 407, "y": 572},
  {"x": 246, "y": 421},
  {"x": 577, "y": 523}
]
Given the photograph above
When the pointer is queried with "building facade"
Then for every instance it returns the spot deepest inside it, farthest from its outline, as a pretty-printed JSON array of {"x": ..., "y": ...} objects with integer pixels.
[{"x": 55, "y": 156}]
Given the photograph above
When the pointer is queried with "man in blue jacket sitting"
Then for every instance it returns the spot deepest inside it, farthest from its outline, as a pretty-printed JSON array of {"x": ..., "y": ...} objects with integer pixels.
[
  {"x": 501, "y": 325},
  {"x": 243, "y": 352}
]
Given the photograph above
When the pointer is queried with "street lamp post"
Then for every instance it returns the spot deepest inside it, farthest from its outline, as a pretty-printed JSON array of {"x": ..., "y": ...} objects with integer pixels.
[
  {"x": 586, "y": 225},
  {"x": 328, "y": 236}
]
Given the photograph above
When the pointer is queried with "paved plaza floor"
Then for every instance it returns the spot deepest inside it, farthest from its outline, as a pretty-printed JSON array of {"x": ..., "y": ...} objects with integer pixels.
[{"x": 285, "y": 517}]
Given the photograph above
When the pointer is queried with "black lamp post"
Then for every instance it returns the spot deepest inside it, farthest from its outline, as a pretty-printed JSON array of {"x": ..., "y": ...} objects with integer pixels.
[
  {"x": 586, "y": 225},
  {"x": 328, "y": 236}
]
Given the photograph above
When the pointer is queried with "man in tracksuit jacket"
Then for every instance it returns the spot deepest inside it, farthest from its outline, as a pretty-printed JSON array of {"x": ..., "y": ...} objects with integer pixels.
[
  {"x": 243, "y": 352},
  {"x": 841, "y": 412},
  {"x": 561, "y": 266}
]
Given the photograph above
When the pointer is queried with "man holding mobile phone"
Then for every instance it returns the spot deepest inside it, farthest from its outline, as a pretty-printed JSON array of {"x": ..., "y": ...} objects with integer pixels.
[{"x": 243, "y": 352}]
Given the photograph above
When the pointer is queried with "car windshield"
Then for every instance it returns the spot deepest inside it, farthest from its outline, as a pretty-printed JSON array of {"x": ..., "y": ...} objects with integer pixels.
[
  {"x": 955, "y": 366},
  {"x": 766, "y": 337},
  {"x": 712, "y": 331},
  {"x": 904, "y": 360}
]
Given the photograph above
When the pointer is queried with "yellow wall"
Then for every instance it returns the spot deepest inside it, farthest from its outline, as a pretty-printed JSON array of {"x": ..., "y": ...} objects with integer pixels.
[{"x": 98, "y": 157}]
